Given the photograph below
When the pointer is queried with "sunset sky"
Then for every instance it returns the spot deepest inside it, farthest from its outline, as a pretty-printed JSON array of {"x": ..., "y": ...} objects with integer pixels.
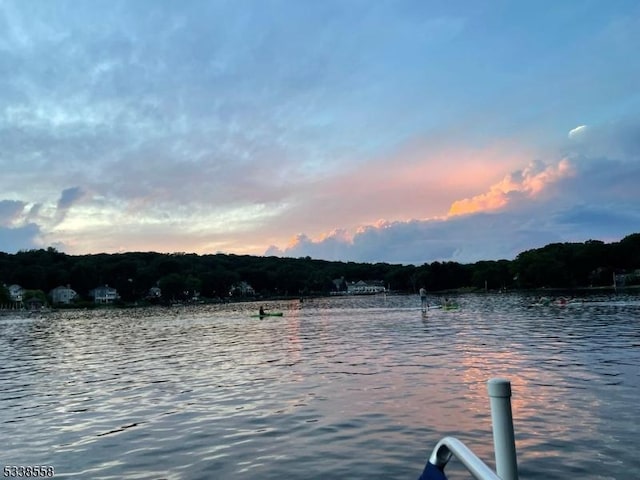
[{"x": 374, "y": 131}]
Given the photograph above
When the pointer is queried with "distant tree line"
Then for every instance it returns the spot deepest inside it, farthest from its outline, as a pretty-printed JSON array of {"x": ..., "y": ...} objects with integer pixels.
[{"x": 180, "y": 275}]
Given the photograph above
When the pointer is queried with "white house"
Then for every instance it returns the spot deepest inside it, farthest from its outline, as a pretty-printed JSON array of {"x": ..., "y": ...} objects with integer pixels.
[
  {"x": 63, "y": 295},
  {"x": 242, "y": 289},
  {"x": 104, "y": 294},
  {"x": 363, "y": 288},
  {"x": 15, "y": 292}
]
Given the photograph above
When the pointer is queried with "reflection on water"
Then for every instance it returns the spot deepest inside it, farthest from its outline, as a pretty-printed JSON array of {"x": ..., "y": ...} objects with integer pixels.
[{"x": 336, "y": 388}]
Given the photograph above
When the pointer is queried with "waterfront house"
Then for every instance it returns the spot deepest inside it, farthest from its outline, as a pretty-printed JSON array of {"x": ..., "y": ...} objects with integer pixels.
[
  {"x": 16, "y": 292},
  {"x": 241, "y": 289},
  {"x": 63, "y": 295},
  {"x": 365, "y": 288},
  {"x": 104, "y": 294}
]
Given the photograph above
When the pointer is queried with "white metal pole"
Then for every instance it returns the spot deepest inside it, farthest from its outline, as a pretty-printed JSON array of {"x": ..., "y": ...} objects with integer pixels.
[{"x": 502, "y": 421}]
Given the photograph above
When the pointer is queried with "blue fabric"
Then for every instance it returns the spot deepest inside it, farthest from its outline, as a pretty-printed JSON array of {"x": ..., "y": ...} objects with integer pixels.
[{"x": 431, "y": 472}]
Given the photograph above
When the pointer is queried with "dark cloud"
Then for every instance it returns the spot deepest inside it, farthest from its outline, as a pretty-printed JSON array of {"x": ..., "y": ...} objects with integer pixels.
[
  {"x": 599, "y": 221},
  {"x": 68, "y": 198},
  {"x": 10, "y": 210},
  {"x": 13, "y": 240},
  {"x": 470, "y": 238},
  {"x": 617, "y": 140}
]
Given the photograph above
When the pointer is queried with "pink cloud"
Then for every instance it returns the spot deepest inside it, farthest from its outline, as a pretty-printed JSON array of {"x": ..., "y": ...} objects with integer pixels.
[
  {"x": 423, "y": 183},
  {"x": 530, "y": 182},
  {"x": 418, "y": 181},
  {"x": 403, "y": 238}
]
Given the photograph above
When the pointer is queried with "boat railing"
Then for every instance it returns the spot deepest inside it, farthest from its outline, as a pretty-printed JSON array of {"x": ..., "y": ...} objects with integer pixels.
[{"x": 503, "y": 443}]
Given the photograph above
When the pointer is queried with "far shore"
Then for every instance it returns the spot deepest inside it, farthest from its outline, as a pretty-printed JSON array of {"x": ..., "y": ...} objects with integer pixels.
[{"x": 567, "y": 291}]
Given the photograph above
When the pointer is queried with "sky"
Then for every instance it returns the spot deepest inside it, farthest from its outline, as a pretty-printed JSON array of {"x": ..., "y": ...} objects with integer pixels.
[{"x": 368, "y": 131}]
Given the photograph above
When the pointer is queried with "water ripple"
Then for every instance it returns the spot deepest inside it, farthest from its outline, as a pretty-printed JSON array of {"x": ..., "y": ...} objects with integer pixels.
[{"x": 336, "y": 388}]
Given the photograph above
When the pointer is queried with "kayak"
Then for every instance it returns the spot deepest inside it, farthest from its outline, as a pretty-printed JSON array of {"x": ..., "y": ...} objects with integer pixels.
[
  {"x": 267, "y": 314},
  {"x": 441, "y": 307}
]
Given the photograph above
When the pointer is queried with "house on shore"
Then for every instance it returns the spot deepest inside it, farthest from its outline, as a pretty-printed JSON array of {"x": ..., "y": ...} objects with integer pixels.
[
  {"x": 104, "y": 294},
  {"x": 241, "y": 289},
  {"x": 366, "y": 288},
  {"x": 16, "y": 292},
  {"x": 16, "y": 297},
  {"x": 63, "y": 295}
]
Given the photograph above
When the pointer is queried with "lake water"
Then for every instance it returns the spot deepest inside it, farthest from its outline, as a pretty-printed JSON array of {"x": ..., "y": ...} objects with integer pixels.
[{"x": 339, "y": 388}]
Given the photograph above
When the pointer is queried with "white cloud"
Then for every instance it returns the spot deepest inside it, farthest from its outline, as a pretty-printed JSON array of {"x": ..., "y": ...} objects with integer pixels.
[{"x": 578, "y": 132}]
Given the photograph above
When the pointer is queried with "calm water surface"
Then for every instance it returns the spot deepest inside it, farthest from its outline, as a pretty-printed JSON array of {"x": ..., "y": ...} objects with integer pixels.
[{"x": 352, "y": 388}]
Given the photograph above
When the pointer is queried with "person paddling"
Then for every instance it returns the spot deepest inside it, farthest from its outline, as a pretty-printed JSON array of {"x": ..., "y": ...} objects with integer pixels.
[{"x": 423, "y": 299}]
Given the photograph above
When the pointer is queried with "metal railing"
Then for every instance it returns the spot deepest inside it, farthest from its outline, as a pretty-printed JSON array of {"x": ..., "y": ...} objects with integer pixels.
[{"x": 503, "y": 443}]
